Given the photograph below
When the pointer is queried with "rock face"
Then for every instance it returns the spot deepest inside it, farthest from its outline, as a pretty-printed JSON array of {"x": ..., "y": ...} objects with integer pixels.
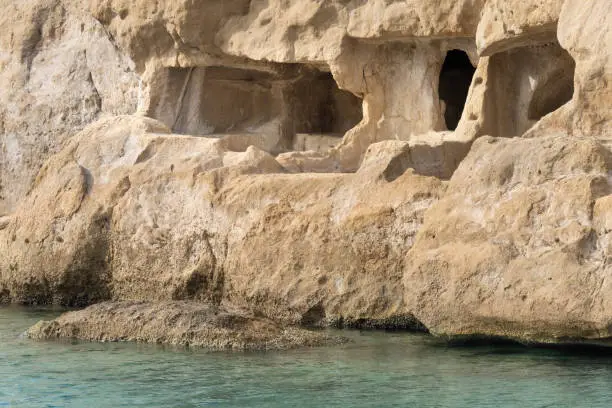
[
  {"x": 440, "y": 165},
  {"x": 187, "y": 324},
  {"x": 60, "y": 72},
  {"x": 517, "y": 247},
  {"x": 507, "y": 24},
  {"x": 147, "y": 215}
]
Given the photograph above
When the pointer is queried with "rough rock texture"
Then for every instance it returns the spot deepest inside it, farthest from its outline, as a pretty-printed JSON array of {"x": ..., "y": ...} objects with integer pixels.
[
  {"x": 402, "y": 164},
  {"x": 178, "y": 324},
  {"x": 517, "y": 247},
  {"x": 507, "y": 24},
  {"x": 154, "y": 216},
  {"x": 59, "y": 73},
  {"x": 584, "y": 31}
]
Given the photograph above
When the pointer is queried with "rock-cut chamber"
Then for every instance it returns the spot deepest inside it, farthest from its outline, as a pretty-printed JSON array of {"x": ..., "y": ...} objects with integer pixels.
[{"x": 296, "y": 108}]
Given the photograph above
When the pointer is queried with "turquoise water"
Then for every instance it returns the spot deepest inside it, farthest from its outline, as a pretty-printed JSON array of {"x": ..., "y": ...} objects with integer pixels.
[{"x": 376, "y": 370}]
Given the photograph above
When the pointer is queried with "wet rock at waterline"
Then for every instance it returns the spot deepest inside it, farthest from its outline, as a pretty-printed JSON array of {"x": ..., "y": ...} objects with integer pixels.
[{"x": 192, "y": 324}]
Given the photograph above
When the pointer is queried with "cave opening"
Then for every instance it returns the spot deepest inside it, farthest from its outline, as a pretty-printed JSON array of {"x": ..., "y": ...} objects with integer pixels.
[
  {"x": 321, "y": 112},
  {"x": 320, "y": 107},
  {"x": 524, "y": 85},
  {"x": 300, "y": 107},
  {"x": 455, "y": 80},
  {"x": 220, "y": 100}
]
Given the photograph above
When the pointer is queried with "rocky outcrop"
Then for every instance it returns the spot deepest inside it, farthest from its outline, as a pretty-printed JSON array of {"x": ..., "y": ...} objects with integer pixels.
[
  {"x": 584, "y": 32},
  {"x": 440, "y": 165},
  {"x": 151, "y": 216},
  {"x": 517, "y": 247},
  {"x": 185, "y": 324}
]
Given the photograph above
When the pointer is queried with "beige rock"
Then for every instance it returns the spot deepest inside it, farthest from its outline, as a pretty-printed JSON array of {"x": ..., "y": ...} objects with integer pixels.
[
  {"x": 196, "y": 196},
  {"x": 118, "y": 57},
  {"x": 86, "y": 180},
  {"x": 4, "y": 222},
  {"x": 313, "y": 33},
  {"x": 519, "y": 87},
  {"x": 513, "y": 248},
  {"x": 383, "y": 19},
  {"x": 584, "y": 31},
  {"x": 400, "y": 84},
  {"x": 157, "y": 217},
  {"x": 314, "y": 143},
  {"x": 507, "y": 24},
  {"x": 266, "y": 109},
  {"x": 59, "y": 72},
  {"x": 286, "y": 31},
  {"x": 187, "y": 324},
  {"x": 162, "y": 32}
]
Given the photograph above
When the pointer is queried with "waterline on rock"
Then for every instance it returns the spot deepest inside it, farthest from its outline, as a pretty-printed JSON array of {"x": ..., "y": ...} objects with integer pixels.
[{"x": 375, "y": 369}]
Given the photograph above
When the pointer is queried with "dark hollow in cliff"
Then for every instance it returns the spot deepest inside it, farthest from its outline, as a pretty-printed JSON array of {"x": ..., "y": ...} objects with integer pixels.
[
  {"x": 455, "y": 80},
  {"x": 320, "y": 107},
  {"x": 216, "y": 100}
]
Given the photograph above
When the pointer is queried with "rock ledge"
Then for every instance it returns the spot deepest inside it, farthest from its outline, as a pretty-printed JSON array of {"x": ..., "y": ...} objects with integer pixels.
[{"x": 178, "y": 323}]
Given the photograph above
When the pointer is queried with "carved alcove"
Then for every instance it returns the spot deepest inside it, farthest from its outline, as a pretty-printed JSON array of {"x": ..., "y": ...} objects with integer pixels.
[{"x": 296, "y": 108}]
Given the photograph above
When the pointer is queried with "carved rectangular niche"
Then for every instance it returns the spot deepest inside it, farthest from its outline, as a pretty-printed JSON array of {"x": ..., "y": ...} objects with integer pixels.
[
  {"x": 302, "y": 108},
  {"x": 526, "y": 84}
]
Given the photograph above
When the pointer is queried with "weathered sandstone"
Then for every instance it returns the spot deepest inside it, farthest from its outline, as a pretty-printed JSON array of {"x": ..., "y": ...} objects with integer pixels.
[
  {"x": 507, "y": 24},
  {"x": 58, "y": 74},
  {"x": 407, "y": 164}
]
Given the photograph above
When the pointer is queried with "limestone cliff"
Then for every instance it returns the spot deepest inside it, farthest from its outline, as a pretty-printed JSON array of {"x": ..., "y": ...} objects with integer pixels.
[{"x": 409, "y": 164}]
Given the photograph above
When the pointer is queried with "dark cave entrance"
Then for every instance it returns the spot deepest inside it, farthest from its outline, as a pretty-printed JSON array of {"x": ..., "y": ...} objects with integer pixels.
[
  {"x": 320, "y": 107},
  {"x": 455, "y": 80},
  {"x": 320, "y": 112}
]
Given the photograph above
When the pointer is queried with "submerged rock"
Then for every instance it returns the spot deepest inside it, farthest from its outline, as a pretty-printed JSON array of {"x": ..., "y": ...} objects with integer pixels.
[{"x": 180, "y": 324}]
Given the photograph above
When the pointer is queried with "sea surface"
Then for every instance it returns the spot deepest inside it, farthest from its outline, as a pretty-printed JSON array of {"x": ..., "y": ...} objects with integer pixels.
[{"x": 375, "y": 370}]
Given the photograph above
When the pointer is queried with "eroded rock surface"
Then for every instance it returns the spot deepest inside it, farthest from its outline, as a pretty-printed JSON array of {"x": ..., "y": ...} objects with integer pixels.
[
  {"x": 147, "y": 215},
  {"x": 407, "y": 164},
  {"x": 517, "y": 247},
  {"x": 59, "y": 72},
  {"x": 186, "y": 324},
  {"x": 507, "y": 24}
]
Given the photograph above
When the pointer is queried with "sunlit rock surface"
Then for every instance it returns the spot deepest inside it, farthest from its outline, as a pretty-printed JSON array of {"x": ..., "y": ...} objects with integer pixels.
[{"x": 423, "y": 165}]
